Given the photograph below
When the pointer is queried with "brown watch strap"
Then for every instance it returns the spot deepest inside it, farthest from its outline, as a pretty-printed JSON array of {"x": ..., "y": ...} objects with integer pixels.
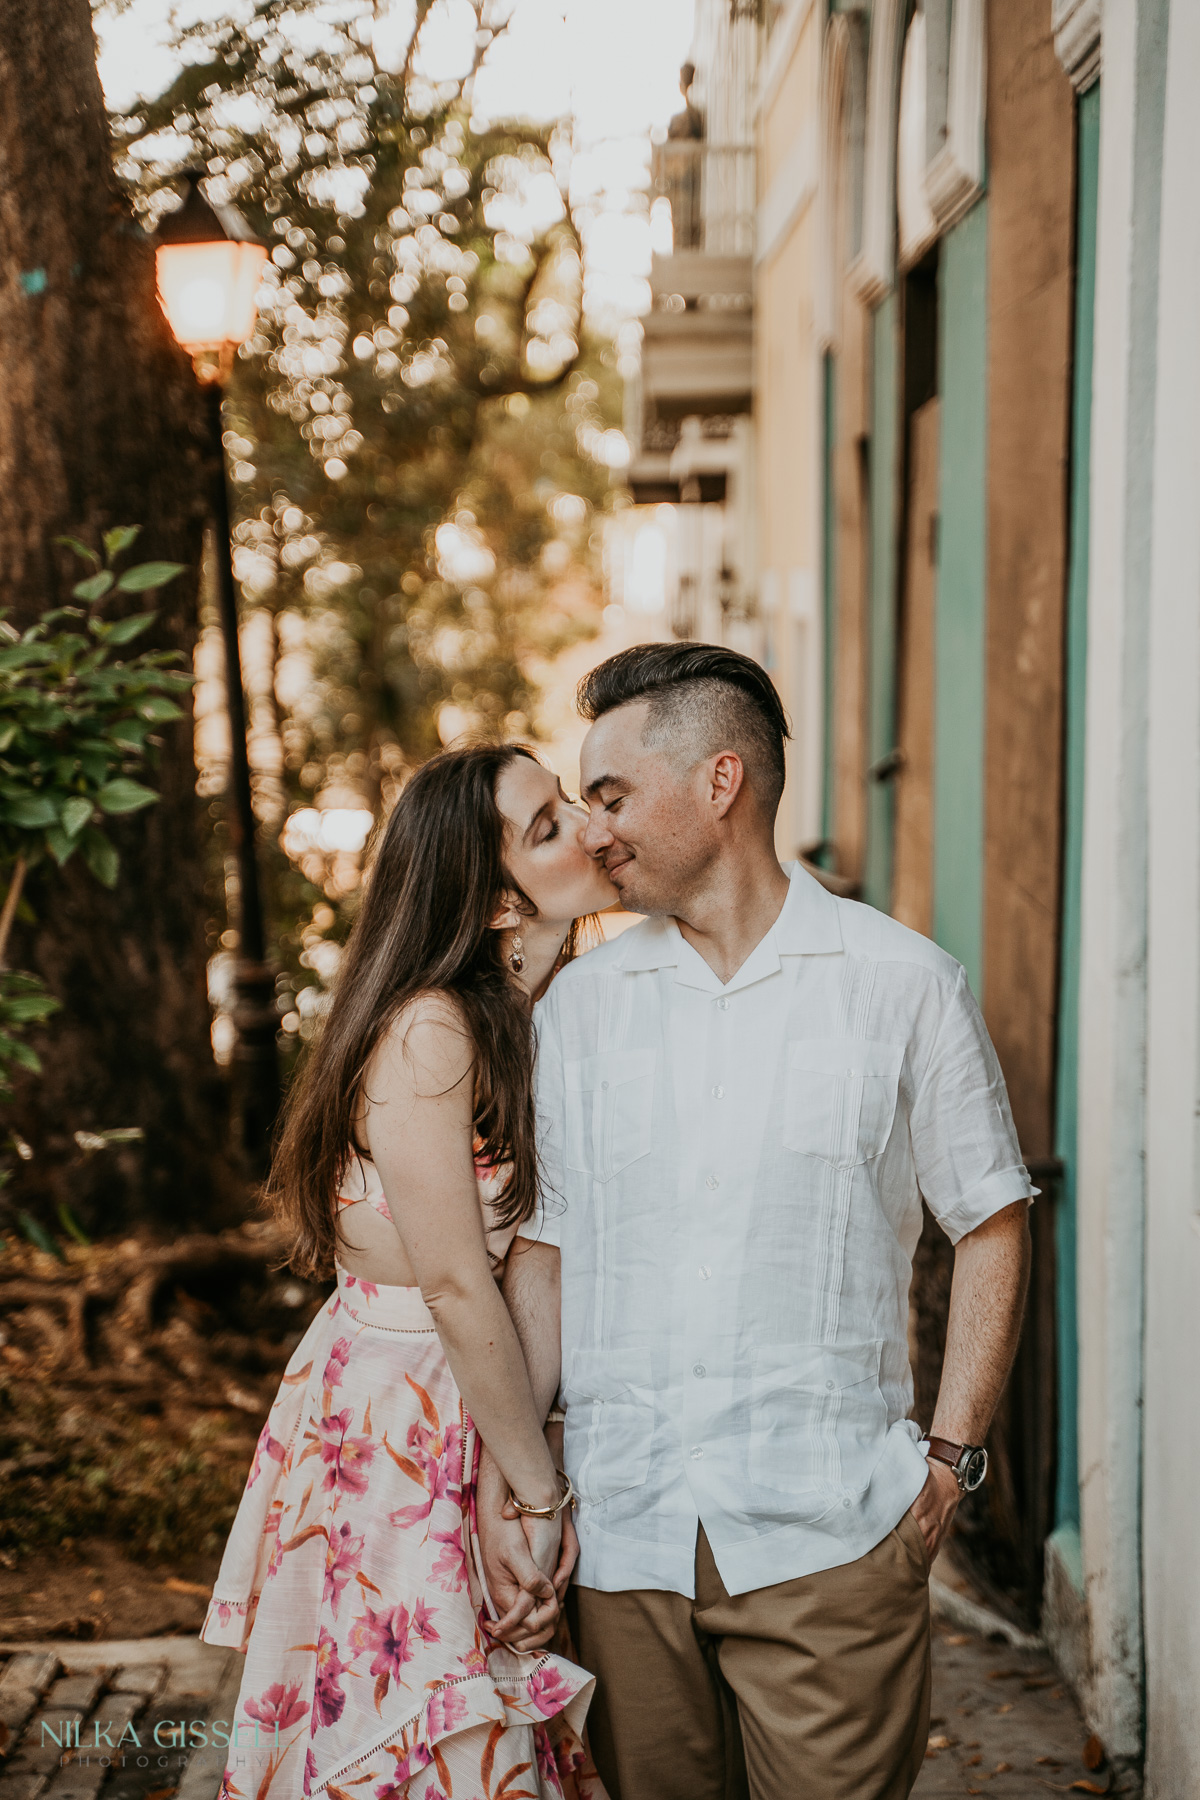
[{"x": 945, "y": 1451}]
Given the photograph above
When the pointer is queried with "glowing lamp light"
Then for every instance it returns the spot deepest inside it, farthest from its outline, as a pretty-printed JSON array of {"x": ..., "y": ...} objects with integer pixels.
[{"x": 209, "y": 267}]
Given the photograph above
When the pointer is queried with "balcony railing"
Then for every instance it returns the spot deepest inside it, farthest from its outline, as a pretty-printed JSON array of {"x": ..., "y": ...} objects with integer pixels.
[{"x": 711, "y": 190}]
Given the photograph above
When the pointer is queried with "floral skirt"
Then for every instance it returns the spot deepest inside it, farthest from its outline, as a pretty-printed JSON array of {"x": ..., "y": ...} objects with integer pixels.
[{"x": 352, "y": 1580}]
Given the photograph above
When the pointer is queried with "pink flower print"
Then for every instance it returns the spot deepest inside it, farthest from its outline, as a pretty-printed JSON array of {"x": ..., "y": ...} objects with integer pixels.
[
  {"x": 267, "y": 1447},
  {"x": 474, "y": 1660},
  {"x": 310, "y": 1771},
  {"x": 335, "y": 1368},
  {"x": 548, "y": 1691},
  {"x": 437, "y": 1458},
  {"x": 386, "y": 1633},
  {"x": 330, "y": 1697},
  {"x": 546, "y": 1761},
  {"x": 445, "y": 1711},
  {"x": 277, "y": 1705},
  {"x": 450, "y": 1569},
  {"x": 342, "y": 1560},
  {"x": 422, "y": 1623},
  {"x": 408, "y": 1765},
  {"x": 369, "y": 1289},
  {"x": 345, "y": 1458}
]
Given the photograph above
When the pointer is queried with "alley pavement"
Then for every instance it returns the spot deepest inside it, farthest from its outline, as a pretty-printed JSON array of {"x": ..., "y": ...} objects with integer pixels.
[{"x": 1003, "y": 1722}]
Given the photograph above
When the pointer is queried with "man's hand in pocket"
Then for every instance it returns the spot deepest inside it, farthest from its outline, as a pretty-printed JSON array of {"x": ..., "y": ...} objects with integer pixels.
[{"x": 935, "y": 1506}]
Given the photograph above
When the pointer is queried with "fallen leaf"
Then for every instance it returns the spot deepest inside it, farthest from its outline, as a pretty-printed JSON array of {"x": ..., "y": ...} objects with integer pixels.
[
  {"x": 1003, "y": 1768},
  {"x": 1087, "y": 1787},
  {"x": 973, "y": 1763},
  {"x": 1092, "y": 1754},
  {"x": 942, "y": 1742},
  {"x": 1007, "y": 1707},
  {"x": 959, "y": 1638},
  {"x": 175, "y": 1585}
]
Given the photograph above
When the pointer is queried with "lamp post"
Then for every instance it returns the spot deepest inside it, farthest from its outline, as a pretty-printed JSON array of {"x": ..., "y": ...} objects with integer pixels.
[{"x": 209, "y": 266}]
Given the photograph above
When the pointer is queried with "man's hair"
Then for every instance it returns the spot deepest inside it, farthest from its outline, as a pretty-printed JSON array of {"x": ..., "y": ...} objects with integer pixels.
[{"x": 702, "y": 698}]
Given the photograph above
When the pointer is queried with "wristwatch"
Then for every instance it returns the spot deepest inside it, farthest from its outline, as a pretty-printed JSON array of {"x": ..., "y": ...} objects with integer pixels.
[{"x": 968, "y": 1461}]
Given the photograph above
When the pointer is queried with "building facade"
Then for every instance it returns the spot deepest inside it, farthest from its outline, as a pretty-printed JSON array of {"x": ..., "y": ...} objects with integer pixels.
[{"x": 927, "y": 420}]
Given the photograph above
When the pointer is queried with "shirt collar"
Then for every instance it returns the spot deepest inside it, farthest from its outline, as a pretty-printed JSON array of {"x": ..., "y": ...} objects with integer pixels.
[{"x": 808, "y": 925}]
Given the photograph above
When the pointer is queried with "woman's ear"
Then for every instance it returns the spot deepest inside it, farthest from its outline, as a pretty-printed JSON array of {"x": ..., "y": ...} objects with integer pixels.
[{"x": 506, "y": 917}]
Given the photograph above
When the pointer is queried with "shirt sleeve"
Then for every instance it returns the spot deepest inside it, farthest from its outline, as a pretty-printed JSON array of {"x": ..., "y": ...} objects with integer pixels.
[
  {"x": 964, "y": 1142},
  {"x": 549, "y": 1098}
]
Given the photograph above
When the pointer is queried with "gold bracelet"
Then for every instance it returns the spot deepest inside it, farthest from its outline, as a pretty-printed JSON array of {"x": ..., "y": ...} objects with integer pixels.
[{"x": 567, "y": 1498}]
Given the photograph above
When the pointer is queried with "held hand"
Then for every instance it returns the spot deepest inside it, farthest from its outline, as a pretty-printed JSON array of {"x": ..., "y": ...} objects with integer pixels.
[
  {"x": 544, "y": 1537},
  {"x": 523, "y": 1592},
  {"x": 935, "y": 1506}
]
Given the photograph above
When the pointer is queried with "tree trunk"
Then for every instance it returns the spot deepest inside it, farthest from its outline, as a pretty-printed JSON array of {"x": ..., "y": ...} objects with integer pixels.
[{"x": 101, "y": 424}]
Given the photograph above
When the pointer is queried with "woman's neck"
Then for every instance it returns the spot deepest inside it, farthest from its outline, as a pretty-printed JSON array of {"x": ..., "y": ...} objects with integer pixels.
[{"x": 541, "y": 943}]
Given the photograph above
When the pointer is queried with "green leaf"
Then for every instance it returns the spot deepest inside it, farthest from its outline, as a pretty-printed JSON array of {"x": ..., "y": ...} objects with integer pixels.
[
  {"x": 125, "y": 796},
  {"x": 37, "y": 1234},
  {"x": 100, "y": 856},
  {"x": 120, "y": 538},
  {"x": 149, "y": 575},
  {"x": 158, "y": 710},
  {"x": 126, "y": 629},
  {"x": 95, "y": 587},
  {"x": 75, "y": 814},
  {"x": 8, "y": 732},
  {"x": 79, "y": 549},
  {"x": 60, "y": 845},
  {"x": 70, "y": 1223},
  {"x": 131, "y": 733},
  {"x": 14, "y": 1052},
  {"x": 32, "y": 812},
  {"x": 28, "y": 1009}
]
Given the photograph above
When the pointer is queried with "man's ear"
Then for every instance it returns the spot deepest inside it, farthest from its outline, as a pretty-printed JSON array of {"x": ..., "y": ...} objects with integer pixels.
[
  {"x": 506, "y": 917},
  {"x": 727, "y": 778}
]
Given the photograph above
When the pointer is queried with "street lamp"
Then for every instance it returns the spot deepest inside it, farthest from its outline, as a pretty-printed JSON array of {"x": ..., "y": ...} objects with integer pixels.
[{"x": 209, "y": 266}]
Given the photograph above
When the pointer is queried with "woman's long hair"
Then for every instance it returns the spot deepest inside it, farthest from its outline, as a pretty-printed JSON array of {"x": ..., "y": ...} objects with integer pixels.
[{"x": 438, "y": 879}]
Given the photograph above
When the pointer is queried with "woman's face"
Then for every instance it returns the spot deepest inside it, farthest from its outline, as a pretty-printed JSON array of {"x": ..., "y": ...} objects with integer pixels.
[{"x": 544, "y": 845}]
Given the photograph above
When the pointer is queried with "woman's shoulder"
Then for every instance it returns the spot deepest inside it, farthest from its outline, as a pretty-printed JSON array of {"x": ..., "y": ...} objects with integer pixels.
[{"x": 429, "y": 1031}]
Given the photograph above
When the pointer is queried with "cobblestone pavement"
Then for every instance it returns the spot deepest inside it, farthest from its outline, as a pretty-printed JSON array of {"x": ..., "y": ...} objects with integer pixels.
[
  {"x": 115, "y": 1715},
  {"x": 1003, "y": 1723}
]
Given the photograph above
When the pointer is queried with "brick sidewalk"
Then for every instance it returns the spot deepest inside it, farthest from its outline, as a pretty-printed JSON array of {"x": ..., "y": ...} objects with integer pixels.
[
  {"x": 1003, "y": 1723},
  {"x": 88, "y": 1696}
]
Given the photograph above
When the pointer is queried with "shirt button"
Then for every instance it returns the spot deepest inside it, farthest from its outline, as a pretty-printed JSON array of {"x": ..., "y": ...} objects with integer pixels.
[
  {"x": 699, "y": 1371},
  {"x": 604, "y": 1084},
  {"x": 697, "y": 1453},
  {"x": 718, "y": 1093},
  {"x": 829, "y": 1384},
  {"x": 710, "y": 1181},
  {"x": 704, "y": 1272},
  {"x": 845, "y": 1503},
  {"x": 724, "y": 1005}
]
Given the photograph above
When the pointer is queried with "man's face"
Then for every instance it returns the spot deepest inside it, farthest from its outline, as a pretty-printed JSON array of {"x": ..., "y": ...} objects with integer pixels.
[{"x": 649, "y": 821}]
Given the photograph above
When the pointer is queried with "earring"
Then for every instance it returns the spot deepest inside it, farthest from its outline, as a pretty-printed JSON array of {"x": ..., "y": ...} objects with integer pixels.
[{"x": 516, "y": 956}]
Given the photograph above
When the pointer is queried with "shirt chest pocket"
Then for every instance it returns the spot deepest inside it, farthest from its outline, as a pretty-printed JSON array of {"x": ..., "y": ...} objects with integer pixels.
[
  {"x": 840, "y": 1097},
  {"x": 610, "y": 1109}
]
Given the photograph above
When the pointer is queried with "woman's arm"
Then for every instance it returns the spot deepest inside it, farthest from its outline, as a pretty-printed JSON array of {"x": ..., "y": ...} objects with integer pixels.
[{"x": 419, "y": 1127}]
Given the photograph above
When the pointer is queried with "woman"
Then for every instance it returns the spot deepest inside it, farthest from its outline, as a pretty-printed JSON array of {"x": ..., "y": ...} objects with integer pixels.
[{"x": 406, "y": 1162}]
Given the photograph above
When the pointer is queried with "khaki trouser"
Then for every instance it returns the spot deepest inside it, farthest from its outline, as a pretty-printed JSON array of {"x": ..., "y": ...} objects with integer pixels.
[{"x": 815, "y": 1689}]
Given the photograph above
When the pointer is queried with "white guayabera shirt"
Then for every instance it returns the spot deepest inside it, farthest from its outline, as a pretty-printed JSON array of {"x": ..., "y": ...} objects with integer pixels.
[{"x": 733, "y": 1175}]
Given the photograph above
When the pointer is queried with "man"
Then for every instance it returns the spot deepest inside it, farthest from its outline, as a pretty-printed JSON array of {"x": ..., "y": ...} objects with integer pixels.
[{"x": 743, "y": 1099}]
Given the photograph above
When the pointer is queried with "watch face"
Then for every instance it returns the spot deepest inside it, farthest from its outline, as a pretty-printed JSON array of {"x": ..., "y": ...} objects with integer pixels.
[{"x": 974, "y": 1471}]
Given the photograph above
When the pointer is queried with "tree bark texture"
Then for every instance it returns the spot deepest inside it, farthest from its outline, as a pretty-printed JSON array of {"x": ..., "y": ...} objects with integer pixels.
[{"x": 101, "y": 424}]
